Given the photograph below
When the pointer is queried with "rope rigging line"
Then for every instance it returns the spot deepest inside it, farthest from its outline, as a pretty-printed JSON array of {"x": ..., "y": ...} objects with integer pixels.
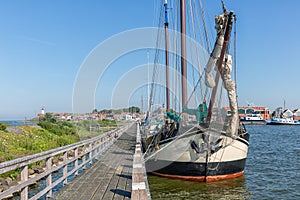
[
  {"x": 156, "y": 59},
  {"x": 234, "y": 55},
  {"x": 201, "y": 72},
  {"x": 191, "y": 24}
]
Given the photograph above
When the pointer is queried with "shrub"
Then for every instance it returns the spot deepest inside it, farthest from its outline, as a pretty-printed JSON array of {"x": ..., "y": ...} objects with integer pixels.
[
  {"x": 58, "y": 128},
  {"x": 3, "y": 126}
]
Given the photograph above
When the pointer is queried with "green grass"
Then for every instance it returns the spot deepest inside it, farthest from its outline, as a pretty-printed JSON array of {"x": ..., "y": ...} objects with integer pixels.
[
  {"x": 88, "y": 129},
  {"x": 32, "y": 140}
]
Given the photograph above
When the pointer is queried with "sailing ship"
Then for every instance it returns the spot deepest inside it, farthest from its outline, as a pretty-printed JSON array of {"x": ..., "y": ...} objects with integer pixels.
[{"x": 201, "y": 143}]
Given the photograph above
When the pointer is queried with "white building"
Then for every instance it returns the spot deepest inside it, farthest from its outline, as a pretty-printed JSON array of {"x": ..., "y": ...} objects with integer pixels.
[{"x": 128, "y": 117}]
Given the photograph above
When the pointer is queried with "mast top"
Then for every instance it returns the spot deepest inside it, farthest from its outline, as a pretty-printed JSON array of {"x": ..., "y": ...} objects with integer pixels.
[
  {"x": 224, "y": 7},
  {"x": 166, "y": 12}
]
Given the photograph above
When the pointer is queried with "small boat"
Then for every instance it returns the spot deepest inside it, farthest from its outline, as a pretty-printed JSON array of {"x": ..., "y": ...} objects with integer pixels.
[
  {"x": 283, "y": 121},
  {"x": 254, "y": 119},
  {"x": 282, "y": 117}
]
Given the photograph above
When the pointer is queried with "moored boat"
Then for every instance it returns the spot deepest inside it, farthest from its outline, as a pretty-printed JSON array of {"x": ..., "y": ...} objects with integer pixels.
[
  {"x": 283, "y": 121},
  {"x": 282, "y": 117},
  {"x": 254, "y": 119},
  {"x": 254, "y": 115},
  {"x": 201, "y": 143}
]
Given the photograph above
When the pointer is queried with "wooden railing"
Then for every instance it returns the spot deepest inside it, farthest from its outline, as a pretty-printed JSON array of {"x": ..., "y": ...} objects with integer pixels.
[
  {"x": 140, "y": 187},
  {"x": 86, "y": 151}
]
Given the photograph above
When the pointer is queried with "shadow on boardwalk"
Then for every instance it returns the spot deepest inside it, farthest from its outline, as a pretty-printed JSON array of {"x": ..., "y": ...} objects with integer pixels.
[{"x": 109, "y": 177}]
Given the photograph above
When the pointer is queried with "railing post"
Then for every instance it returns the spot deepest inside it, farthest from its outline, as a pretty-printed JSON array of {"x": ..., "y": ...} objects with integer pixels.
[
  {"x": 65, "y": 169},
  {"x": 98, "y": 148},
  {"x": 49, "y": 177},
  {"x": 90, "y": 154},
  {"x": 84, "y": 158},
  {"x": 76, "y": 161},
  {"x": 101, "y": 144},
  {"x": 24, "y": 177}
]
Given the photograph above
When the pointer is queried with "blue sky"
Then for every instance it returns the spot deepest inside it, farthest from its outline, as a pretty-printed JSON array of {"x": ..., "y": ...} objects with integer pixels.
[{"x": 44, "y": 43}]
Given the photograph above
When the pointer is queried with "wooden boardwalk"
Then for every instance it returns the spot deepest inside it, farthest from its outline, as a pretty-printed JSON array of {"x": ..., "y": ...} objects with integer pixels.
[{"x": 109, "y": 177}]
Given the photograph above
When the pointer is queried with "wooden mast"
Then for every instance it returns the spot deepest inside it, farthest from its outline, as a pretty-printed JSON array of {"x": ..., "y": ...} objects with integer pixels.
[
  {"x": 183, "y": 53},
  {"x": 220, "y": 65},
  {"x": 167, "y": 56}
]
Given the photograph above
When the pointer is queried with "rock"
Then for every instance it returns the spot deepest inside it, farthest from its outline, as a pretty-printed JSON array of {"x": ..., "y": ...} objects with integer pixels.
[
  {"x": 30, "y": 171},
  {"x": 38, "y": 169},
  {"x": 18, "y": 178},
  {"x": 43, "y": 165},
  {"x": 4, "y": 187},
  {"x": 14, "y": 129},
  {"x": 2, "y": 181},
  {"x": 71, "y": 153},
  {"x": 13, "y": 183},
  {"x": 55, "y": 160},
  {"x": 61, "y": 158},
  {"x": 8, "y": 181}
]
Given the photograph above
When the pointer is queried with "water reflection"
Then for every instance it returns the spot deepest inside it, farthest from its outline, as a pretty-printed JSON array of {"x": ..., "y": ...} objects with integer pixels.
[{"x": 164, "y": 188}]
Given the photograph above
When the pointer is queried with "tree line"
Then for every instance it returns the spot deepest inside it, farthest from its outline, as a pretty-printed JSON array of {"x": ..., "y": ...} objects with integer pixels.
[{"x": 132, "y": 109}]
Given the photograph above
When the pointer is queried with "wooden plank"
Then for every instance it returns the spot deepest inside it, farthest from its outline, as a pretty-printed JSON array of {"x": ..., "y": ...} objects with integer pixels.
[
  {"x": 73, "y": 189},
  {"x": 108, "y": 178},
  {"x": 97, "y": 182},
  {"x": 139, "y": 195},
  {"x": 139, "y": 185},
  {"x": 112, "y": 186}
]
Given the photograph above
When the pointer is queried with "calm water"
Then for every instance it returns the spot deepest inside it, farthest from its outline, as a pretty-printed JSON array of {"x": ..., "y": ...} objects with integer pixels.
[
  {"x": 17, "y": 122},
  {"x": 272, "y": 171}
]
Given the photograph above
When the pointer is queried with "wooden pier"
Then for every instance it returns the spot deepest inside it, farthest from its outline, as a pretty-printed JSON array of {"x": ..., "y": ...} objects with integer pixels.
[
  {"x": 109, "y": 177},
  {"x": 110, "y": 169}
]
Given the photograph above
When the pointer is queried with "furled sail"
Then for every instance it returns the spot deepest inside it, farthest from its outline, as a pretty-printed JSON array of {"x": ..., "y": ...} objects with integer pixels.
[
  {"x": 229, "y": 85},
  {"x": 220, "y": 26}
]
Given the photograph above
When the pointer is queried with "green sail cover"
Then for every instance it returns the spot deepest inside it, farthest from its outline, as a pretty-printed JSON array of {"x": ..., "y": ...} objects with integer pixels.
[
  {"x": 173, "y": 116},
  {"x": 200, "y": 112}
]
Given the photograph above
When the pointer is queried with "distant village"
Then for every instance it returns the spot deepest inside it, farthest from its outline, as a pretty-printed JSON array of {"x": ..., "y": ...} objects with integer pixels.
[
  {"x": 266, "y": 114},
  {"x": 131, "y": 113}
]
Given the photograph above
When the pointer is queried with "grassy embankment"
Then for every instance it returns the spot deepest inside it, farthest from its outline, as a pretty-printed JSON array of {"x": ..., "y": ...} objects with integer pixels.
[
  {"x": 28, "y": 140},
  {"x": 49, "y": 134},
  {"x": 88, "y": 129}
]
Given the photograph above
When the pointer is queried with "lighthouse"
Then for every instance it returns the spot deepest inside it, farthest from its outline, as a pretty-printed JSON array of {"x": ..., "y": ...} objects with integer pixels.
[{"x": 42, "y": 113}]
